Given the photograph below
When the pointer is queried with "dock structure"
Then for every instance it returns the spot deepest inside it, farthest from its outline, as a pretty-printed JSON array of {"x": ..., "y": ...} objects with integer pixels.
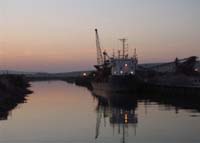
[
  {"x": 182, "y": 73},
  {"x": 166, "y": 67}
]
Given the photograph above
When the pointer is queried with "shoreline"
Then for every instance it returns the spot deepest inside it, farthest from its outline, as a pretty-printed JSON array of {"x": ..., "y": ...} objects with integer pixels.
[{"x": 13, "y": 91}]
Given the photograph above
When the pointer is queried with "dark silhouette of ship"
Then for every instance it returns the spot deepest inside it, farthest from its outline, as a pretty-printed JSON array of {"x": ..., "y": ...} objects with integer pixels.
[
  {"x": 122, "y": 73},
  {"x": 116, "y": 73}
]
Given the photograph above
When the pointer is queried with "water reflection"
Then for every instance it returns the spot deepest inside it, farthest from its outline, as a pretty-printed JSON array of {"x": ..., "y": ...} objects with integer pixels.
[
  {"x": 121, "y": 108},
  {"x": 179, "y": 99},
  {"x": 121, "y": 113},
  {"x": 61, "y": 112}
]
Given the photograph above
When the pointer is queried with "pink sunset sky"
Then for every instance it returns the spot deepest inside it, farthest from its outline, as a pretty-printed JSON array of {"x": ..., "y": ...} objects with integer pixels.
[{"x": 58, "y": 35}]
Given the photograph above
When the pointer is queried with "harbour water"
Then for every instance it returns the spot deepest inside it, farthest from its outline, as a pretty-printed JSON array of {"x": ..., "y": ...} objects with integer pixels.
[{"x": 59, "y": 112}]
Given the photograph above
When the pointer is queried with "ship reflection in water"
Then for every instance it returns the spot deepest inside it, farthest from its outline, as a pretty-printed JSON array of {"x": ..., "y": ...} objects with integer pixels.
[
  {"x": 121, "y": 113},
  {"x": 120, "y": 108}
]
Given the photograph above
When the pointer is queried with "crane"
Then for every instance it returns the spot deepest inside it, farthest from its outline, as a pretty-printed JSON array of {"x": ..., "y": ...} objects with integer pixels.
[{"x": 98, "y": 46}]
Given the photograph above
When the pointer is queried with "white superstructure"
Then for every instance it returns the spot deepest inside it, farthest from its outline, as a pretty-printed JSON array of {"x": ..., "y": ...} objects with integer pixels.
[{"x": 123, "y": 66}]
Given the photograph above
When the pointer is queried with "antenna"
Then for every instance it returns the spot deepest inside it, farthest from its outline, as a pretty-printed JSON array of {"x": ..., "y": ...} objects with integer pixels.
[
  {"x": 119, "y": 54},
  {"x": 113, "y": 53},
  {"x": 135, "y": 54},
  {"x": 123, "y": 40}
]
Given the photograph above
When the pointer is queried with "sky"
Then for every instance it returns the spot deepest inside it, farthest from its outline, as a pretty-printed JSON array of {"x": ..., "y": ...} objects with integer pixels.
[{"x": 58, "y": 35}]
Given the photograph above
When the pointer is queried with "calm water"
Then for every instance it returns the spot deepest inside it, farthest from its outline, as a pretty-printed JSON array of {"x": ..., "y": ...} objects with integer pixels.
[{"x": 58, "y": 112}]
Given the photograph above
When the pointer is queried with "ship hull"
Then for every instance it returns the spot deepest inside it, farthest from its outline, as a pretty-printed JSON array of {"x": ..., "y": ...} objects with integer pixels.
[
  {"x": 176, "y": 81},
  {"x": 116, "y": 84}
]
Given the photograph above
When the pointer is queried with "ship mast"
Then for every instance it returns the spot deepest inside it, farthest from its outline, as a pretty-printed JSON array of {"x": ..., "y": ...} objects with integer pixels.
[{"x": 123, "y": 40}]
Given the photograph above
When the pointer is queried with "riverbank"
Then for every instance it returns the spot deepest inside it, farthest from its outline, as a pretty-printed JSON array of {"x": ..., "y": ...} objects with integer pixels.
[{"x": 13, "y": 90}]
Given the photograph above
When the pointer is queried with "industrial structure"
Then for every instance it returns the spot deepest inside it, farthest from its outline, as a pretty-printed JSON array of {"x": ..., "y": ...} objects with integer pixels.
[
  {"x": 114, "y": 73},
  {"x": 172, "y": 66}
]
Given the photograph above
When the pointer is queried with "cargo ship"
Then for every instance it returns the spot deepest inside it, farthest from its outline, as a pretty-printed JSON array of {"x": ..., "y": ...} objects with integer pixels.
[{"x": 116, "y": 73}]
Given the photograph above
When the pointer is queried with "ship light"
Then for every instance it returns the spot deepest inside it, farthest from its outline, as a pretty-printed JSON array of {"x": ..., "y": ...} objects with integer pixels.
[
  {"x": 126, "y": 65},
  {"x": 121, "y": 72},
  {"x": 196, "y": 69},
  {"x": 126, "y": 118},
  {"x": 84, "y": 74},
  {"x": 132, "y": 72},
  {"x": 115, "y": 72}
]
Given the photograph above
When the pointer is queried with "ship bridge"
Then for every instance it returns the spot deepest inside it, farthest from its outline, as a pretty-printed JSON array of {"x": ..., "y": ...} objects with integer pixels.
[{"x": 123, "y": 66}]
